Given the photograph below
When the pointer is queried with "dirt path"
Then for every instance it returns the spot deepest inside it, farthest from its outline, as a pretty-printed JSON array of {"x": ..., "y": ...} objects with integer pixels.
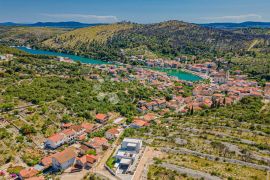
[
  {"x": 190, "y": 172},
  {"x": 146, "y": 159},
  {"x": 74, "y": 176},
  {"x": 253, "y": 44},
  {"x": 100, "y": 169}
]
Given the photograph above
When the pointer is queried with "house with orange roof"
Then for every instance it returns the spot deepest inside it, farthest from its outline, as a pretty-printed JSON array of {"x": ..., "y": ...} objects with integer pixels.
[
  {"x": 66, "y": 135},
  {"x": 83, "y": 149},
  {"x": 55, "y": 141},
  {"x": 171, "y": 105},
  {"x": 164, "y": 111},
  {"x": 102, "y": 118},
  {"x": 82, "y": 137},
  {"x": 256, "y": 93},
  {"x": 88, "y": 127},
  {"x": 112, "y": 133},
  {"x": 138, "y": 123},
  {"x": 28, "y": 173},
  {"x": 79, "y": 130},
  {"x": 183, "y": 111},
  {"x": 47, "y": 161},
  {"x": 149, "y": 117},
  {"x": 142, "y": 109},
  {"x": 64, "y": 159},
  {"x": 179, "y": 99},
  {"x": 98, "y": 143},
  {"x": 206, "y": 103},
  {"x": 70, "y": 134},
  {"x": 161, "y": 103},
  {"x": 87, "y": 161}
]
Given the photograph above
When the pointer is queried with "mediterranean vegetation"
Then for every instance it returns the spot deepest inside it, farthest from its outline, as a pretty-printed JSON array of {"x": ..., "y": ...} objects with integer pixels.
[
  {"x": 39, "y": 95},
  {"x": 16, "y": 35},
  {"x": 245, "y": 48},
  {"x": 224, "y": 142}
]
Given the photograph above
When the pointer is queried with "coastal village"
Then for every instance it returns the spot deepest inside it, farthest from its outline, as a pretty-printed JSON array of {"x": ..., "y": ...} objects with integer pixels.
[{"x": 79, "y": 149}]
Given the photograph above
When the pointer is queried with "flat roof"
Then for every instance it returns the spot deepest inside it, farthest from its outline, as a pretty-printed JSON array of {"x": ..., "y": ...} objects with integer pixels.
[
  {"x": 131, "y": 144},
  {"x": 120, "y": 153},
  {"x": 125, "y": 161},
  {"x": 131, "y": 140}
]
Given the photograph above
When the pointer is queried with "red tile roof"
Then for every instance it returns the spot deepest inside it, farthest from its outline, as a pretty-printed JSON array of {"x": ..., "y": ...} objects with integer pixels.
[
  {"x": 139, "y": 122},
  {"x": 65, "y": 155},
  {"x": 99, "y": 140},
  {"x": 113, "y": 131},
  {"x": 47, "y": 161},
  {"x": 149, "y": 117},
  {"x": 77, "y": 128},
  {"x": 68, "y": 132},
  {"x": 84, "y": 147},
  {"x": 29, "y": 172},
  {"x": 101, "y": 117},
  {"x": 89, "y": 127},
  {"x": 88, "y": 159},
  {"x": 56, "y": 137},
  {"x": 82, "y": 137}
]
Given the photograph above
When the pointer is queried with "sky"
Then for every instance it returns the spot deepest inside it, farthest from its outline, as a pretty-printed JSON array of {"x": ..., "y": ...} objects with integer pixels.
[{"x": 140, "y": 11}]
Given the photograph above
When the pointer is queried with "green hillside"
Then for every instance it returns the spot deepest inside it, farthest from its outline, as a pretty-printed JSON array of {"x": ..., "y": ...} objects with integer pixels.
[
  {"x": 87, "y": 41},
  {"x": 254, "y": 31},
  {"x": 170, "y": 39},
  {"x": 27, "y": 35}
]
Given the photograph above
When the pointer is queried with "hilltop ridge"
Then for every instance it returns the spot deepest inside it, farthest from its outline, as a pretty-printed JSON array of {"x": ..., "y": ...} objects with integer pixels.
[{"x": 169, "y": 38}]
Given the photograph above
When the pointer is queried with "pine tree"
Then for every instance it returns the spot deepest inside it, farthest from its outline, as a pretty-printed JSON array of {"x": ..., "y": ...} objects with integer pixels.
[{"x": 191, "y": 111}]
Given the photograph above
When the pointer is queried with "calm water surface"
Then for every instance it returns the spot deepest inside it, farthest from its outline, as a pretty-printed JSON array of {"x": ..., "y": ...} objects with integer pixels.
[{"x": 175, "y": 72}]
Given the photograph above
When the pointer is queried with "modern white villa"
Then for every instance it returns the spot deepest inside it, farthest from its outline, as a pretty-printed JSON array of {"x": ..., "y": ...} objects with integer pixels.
[{"x": 127, "y": 155}]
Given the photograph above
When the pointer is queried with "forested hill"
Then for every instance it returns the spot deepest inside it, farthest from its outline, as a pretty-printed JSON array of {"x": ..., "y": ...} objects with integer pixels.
[
  {"x": 68, "y": 24},
  {"x": 248, "y": 24},
  {"x": 13, "y": 35},
  {"x": 170, "y": 38}
]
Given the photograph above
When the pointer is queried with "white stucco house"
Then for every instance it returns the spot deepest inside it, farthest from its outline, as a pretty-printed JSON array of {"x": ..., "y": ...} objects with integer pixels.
[
  {"x": 55, "y": 141},
  {"x": 64, "y": 159}
]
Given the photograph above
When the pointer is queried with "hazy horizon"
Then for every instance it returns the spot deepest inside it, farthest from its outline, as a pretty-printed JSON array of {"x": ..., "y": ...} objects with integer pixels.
[
  {"x": 141, "y": 11},
  {"x": 130, "y": 22}
]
